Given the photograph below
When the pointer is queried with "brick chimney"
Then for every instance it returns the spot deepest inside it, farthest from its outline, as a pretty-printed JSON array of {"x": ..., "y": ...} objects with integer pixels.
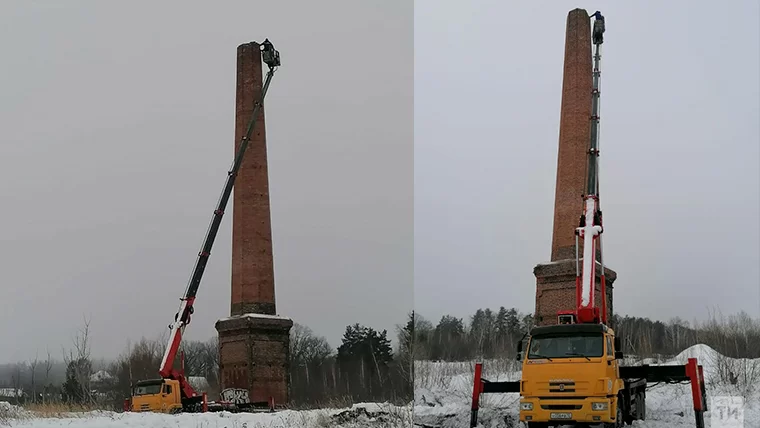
[
  {"x": 555, "y": 281},
  {"x": 252, "y": 260},
  {"x": 574, "y": 134},
  {"x": 254, "y": 342}
]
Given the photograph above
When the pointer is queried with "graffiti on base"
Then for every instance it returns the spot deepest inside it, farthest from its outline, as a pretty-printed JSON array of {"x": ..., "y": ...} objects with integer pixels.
[{"x": 235, "y": 395}]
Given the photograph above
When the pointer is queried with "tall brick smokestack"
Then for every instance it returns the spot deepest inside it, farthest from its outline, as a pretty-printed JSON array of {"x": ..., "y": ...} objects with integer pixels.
[
  {"x": 254, "y": 343},
  {"x": 252, "y": 261},
  {"x": 555, "y": 281},
  {"x": 574, "y": 134}
]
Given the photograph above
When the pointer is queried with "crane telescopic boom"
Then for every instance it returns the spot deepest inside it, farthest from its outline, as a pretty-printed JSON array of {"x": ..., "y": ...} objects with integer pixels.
[
  {"x": 271, "y": 57},
  {"x": 591, "y": 228}
]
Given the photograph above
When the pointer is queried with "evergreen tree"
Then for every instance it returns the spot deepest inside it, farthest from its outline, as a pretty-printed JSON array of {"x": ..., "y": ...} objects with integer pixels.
[
  {"x": 422, "y": 337},
  {"x": 501, "y": 322},
  {"x": 364, "y": 343},
  {"x": 364, "y": 357},
  {"x": 501, "y": 331},
  {"x": 527, "y": 323},
  {"x": 513, "y": 322},
  {"x": 76, "y": 388},
  {"x": 406, "y": 336},
  {"x": 449, "y": 340}
]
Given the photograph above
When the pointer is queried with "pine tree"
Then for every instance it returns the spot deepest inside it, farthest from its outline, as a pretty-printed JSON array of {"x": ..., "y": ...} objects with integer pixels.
[
  {"x": 502, "y": 333},
  {"x": 527, "y": 323},
  {"x": 449, "y": 339},
  {"x": 364, "y": 357},
  {"x": 75, "y": 389}
]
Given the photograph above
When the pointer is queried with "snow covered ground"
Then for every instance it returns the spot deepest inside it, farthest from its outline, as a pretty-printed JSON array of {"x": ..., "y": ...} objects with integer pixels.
[
  {"x": 443, "y": 392},
  {"x": 442, "y": 399},
  {"x": 359, "y": 416}
]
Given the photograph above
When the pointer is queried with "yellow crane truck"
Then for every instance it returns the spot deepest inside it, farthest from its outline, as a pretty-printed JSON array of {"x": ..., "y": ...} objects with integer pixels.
[
  {"x": 156, "y": 395},
  {"x": 572, "y": 374},
  {"x": 571, "y": 371},
  {"x": 172, "y": 392}
]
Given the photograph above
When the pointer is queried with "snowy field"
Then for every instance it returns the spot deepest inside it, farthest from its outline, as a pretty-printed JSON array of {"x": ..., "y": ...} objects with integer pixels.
[
  {"x": 443, "y": 392},
  {"x": 359, "y": 416},
  {"x": 442, "y": 400}
]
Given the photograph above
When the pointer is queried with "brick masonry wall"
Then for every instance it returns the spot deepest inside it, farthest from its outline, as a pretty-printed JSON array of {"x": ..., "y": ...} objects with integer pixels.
[
  {"x": 555, "y": 282},
  {"x": 574, "y": 134},
  {"x": 253, "y": 350},
  {"x": 555, "y": 290},
  {"x": 254, "y": 354},
  {"x": 252, "y": 260}
]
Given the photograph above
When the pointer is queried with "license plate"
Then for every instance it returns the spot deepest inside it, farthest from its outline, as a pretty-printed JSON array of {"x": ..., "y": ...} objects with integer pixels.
[{"x": 560, "y": 415}]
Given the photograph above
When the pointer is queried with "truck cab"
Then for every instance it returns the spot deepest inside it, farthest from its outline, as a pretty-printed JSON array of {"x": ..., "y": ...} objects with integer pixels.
[
  {"x": 156, "y": 395},
  {"x": 570, "y": 375}
]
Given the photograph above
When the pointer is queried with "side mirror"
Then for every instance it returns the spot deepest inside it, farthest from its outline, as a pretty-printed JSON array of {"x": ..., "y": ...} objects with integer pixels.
[
  {"x": 618, "y": 355},
  {"x": 618, "y": 345},
  {"x": 519, "y": 350}
]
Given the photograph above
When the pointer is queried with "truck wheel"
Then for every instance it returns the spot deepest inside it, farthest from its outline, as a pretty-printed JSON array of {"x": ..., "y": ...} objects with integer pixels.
[
  {"x": 619, "y": 423},
  {"x": 629, "y": 416},
  {"x": 642, "y": 406}
]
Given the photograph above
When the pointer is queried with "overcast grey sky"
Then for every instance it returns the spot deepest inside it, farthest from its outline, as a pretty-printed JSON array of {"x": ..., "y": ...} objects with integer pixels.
[
  {"x": 117, "y": 124},
  {"x": 679, "y": 153}
]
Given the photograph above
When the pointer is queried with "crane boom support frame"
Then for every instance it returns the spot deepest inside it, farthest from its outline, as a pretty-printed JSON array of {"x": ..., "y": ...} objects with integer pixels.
[{"x": 590, "y": 229}]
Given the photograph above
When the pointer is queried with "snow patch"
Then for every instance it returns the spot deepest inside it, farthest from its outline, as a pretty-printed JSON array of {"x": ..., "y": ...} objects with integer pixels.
[
  {"x": 199, "y": 383},
  {"x": 100, "y": 376},
  {"x": 265, "y": 316},
  {"x": 443, "y": 392},
  {"x": 11, "y": 392},
  {"x": 8, "y": 410},
  {"x": 358, "y": 416}
]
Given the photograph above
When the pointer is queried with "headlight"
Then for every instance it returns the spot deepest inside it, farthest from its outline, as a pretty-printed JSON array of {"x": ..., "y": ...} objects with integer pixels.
[
  {"x": 598, "y": 406},
  {"x": 526, "y": 406}
]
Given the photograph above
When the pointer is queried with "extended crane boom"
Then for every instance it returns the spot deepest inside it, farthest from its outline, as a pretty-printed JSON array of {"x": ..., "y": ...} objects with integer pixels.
[
  {"x": 591, "y": 228},
  {"x": 271, "y": 57}
]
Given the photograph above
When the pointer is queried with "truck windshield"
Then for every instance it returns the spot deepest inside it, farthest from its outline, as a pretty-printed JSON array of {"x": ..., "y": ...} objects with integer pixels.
[
  {"x": 566, "y": 346},
  {"x": 148, "y": 389}
]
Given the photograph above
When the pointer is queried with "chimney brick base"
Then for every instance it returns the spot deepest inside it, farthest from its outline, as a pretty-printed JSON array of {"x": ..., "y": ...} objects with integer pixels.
[
  {"x": 555, "y": 290},
  {"x": 254, "y": 355}
]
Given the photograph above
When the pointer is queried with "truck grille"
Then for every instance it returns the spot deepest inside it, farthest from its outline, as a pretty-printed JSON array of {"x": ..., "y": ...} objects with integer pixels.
[
  {"x": 561, "y": 386},
  {"x": 561, "y": 406}
]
